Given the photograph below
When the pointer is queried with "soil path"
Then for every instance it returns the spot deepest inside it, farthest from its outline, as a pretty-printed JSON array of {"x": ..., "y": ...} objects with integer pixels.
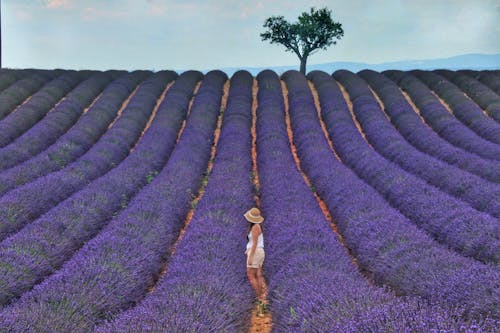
[
  {"x": 262, "y": 323},
  {"x": 321, "y": 203},
  {"x": 196, "y": 199}
]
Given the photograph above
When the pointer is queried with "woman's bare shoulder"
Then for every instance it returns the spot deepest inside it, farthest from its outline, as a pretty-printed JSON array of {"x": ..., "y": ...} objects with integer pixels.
[{"x": 257, "y": 228}]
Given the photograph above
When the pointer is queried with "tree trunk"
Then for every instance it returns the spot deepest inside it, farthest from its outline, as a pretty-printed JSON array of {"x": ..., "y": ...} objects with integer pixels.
[{"x": 303, "y": 61}]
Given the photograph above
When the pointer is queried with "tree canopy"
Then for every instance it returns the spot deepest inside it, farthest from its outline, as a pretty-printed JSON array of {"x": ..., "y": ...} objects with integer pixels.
[{"x": 314, "y": 30}]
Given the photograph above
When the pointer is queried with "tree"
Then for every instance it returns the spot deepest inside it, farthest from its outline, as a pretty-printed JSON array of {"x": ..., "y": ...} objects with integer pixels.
[{"x": 314, "y": 31}]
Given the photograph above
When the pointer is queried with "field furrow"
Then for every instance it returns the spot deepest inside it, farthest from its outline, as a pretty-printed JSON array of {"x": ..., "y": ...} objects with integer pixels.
[
  {"x": 385, "y": 242},
  {"x": 58, "y": 121},
  {"x": 205, "y": 286},
  {"x": 488, "y": 78},
  {"x": 443, "y": 216},
  {"x": 42, "y": 102},
  {"x": 122, "y": 197},
  {"x": 389, "y": 143},
  {"x": 80, "y": 138},
  {"x": 25, "y": 203},
  {"x": 41, "y": 247},
  {"x": 21, "y": 91},
  {"x": 128, "y": 252},
  {"x": 8, "y": 77},
  {"x": 307, "y": 266},
  {"x": 480, "y": 93},
  {"x": 443, "y": 123},
  {"x": 462, "y": 107},
  {"x": 411, "y": 126}
]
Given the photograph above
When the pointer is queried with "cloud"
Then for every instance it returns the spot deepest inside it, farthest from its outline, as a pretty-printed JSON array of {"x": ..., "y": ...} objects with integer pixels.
[
  {"x": 93, "y": 13},
  {"x": 246, "y": 11},
  {"x": 63, "y": 4},
  {"x": 24, "y": 15},
  {"x": 157, "y": 9}
]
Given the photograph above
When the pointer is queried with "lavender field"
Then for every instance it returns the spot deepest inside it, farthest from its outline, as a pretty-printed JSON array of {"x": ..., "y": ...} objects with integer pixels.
[{"x": 122, "y": 197}]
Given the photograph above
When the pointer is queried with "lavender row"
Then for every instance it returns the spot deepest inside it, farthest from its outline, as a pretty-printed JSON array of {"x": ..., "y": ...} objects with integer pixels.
[
  {"x": 20, "y": 90},
  {"x": 25, "y": 203},
  {"x": 55, "y": 123},
  {"x": 8, "y": 77},
  {"x": 314, "y": 286},
  {"x": 385, "y": 243},
  {"x": 423, "y": 137},
  {"x": 388, "y": 142},
  {"x": 205, "y": 287},
  {"x": 42, "y": 246},
  {"x": 481, "y": 94},
  {"x": 462, "y": 107},
  {"x": 442, "y": 121},
  {"x": 114, "y": 270},
  {"x": 79, "y": 139},
  {"x": 488, "y": 78},
  {"x": 449, "y": 220},
  {"x": 28, "y": 114}
]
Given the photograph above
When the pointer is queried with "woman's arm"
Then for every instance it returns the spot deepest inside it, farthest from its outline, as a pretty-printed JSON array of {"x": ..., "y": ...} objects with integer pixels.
[{"x": 255, "y": 235}]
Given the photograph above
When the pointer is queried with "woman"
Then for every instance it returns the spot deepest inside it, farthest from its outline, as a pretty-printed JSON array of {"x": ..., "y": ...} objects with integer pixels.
[{"x": 255, "y": 252}]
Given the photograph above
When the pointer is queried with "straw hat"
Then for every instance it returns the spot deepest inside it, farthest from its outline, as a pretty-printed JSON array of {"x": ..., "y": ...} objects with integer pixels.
[{"x": 253, "y": 215}]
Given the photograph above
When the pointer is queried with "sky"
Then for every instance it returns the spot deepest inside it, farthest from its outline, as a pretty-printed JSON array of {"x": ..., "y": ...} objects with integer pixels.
[{"x": 203, "y": 35}]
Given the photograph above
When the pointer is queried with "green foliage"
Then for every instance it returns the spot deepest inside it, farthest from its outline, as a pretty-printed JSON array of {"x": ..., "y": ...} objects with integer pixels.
[
  {"x": 151, "y": 175},
  {"x": 293, "y": 313},
  {"x": 124, "y": 201},
  {"x": 313, "y": 31}
]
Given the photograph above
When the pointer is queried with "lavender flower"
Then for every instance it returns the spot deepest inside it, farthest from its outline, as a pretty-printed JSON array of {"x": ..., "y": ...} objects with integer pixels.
[
  {"x": 388, "y": 142},
  {"x": 16, "y": 92},
  {"x": 385, "y": 243},
  {"x": 314, "y": 286},
  {"x": 448, "y": 219},
  {"x": 57, "y": 122},
  {"x": 463, "y": 108},
  {"x": 443, "y": 123},
  {"x": 488, "y": 78},
  {"x": 480, "y": 93},
  {"x": 16, "y": 123},
  {"x": 423, "y": 137},
  {"x": 79, "y": 139},
  {"x": 205, "y": 287},
  {"x": 39, "y": 248},
  {"x": 25, "y": 203}
]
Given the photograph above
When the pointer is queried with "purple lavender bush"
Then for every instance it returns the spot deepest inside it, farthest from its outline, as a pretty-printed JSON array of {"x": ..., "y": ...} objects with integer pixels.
[
  {"x": 388, "y": 142},
  {"x": 55, "y": 123},
  {"x": 488, "y": 78},
  {"x": 9, "y": 76},
  {"x": 25, "y": 203},
  {"x": 16, "y": 123},
  {"x": 79, "y": 138},
  {"x": 20, "y": 90},
  {"x": 463, "y": 108},
  {"x": 386, "y": 244},
  {"x": 449, "y": 220},
  {"x": 205, "y": 288},
  {"x": 481, "y": 94},
  {"x": 442, "y": 121},
  {"x": 314, "y": 285},
  {"x": 42, "y": 246},
  {"x": 423, "y": 137}
]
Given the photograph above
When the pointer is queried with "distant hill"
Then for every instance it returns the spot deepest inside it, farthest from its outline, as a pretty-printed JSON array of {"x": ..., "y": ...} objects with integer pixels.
[{"x": 465, "y": 61}]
